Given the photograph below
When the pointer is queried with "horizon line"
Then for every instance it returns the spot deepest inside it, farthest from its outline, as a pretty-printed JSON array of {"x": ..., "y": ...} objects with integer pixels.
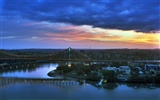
[{"x": 79, "y": 48}]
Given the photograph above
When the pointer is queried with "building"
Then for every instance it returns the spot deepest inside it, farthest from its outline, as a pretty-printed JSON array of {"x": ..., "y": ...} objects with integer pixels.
[
  {"x": 124, "y": 73},
  {"x": 155, "y": 68},
  {"x": 110, "y": 68},
  {"x": 125, "y": 69},
  {"x": 95, "y": 63},
  {"x": 137, "y": 70},
  {"x": 123, "y": 77}
]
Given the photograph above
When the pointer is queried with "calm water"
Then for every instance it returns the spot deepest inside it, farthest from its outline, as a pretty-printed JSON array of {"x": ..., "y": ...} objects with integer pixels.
[
  {"x": 31, "y": 70},
  {"x": 12, "y": 89}
]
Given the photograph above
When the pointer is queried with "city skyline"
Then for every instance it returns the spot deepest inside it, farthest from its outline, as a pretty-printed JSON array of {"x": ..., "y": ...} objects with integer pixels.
[{"x": 101, "y": 24}]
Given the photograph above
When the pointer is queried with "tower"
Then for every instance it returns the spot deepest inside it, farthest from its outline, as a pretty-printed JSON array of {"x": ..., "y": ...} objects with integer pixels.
[{"x": 69, "y": 62}]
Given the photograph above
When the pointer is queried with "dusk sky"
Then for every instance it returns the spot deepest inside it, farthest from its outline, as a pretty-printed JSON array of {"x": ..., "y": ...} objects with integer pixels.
[{"x": 95, "y": 24}]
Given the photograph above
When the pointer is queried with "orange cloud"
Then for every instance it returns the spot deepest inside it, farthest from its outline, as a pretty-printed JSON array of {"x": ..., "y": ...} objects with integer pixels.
[
  {"x": 97, "y": 37},
  {"x": 83, "y": 36}
]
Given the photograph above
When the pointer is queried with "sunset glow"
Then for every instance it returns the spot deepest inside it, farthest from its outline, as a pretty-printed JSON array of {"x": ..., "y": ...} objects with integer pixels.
[{"x": 78, "y": 27}]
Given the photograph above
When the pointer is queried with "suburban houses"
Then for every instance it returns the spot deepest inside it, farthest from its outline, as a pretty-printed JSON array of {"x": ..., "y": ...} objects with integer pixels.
[{"x": 123, "y": 73}]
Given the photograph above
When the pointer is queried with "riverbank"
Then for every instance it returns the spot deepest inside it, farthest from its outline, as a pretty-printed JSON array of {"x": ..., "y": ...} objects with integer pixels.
[
  {"x": 87, "y": 78},
  {"x": 92, "y": 73},
  {"x": 54, "y": 73}
]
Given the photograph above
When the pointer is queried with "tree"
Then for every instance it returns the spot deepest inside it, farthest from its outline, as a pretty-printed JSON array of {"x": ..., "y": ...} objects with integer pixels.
[
  {"x": 158, "y": 78},
  {"x": 109, "y": 75},
  {"x": 93, "y": 77}
]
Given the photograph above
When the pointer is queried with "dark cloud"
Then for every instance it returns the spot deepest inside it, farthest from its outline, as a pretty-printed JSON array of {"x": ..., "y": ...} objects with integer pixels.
[
  {"x": 138, "y": 15},
  {"x": 26, "y": 29}
]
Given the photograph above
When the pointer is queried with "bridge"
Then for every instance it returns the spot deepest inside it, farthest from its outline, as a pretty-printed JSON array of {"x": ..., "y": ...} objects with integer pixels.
[
  {"x": 68, "y": 54},
  {"x": 5, "y": 81},
  {"x": 65, "y": 55}
]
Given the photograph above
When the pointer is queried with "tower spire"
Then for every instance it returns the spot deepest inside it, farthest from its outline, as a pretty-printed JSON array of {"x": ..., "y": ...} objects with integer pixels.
[{"x": 69, "y": 63}]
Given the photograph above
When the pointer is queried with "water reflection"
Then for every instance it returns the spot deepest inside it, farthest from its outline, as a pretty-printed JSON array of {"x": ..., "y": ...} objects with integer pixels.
[
  {"x": 147, "y": 85},
  {"x": 60, "y": 89},
  {"x": 110, "y": 86},
  {"x": 31, "y": 70},
  {"x": 66, "y": 82},
  {"x": 55, "y": 82}
]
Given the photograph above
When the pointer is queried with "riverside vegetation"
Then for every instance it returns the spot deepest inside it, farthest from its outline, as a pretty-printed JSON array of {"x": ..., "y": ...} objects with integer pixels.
[{"x": 95, "y": 73}]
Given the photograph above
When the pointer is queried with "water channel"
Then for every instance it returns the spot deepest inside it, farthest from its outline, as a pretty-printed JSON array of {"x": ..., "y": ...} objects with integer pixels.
[{"x": 48, "y": 89}]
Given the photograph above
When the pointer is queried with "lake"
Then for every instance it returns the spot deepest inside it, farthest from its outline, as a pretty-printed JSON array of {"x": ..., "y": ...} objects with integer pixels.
[{"x": 21, "y": 88}]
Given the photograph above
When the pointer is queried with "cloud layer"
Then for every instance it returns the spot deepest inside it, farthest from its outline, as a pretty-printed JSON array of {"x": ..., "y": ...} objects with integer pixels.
[
  {"x": 141, "y": 16},
  {"x": 31, "y": 34}
]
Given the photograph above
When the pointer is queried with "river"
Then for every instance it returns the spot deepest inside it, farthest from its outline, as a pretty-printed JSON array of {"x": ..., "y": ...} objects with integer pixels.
[
  {"x": 36, "y": 70},
  {"x": 48, "y": 89}
]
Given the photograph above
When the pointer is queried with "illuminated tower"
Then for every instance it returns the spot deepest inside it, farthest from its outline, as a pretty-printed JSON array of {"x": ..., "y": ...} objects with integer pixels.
[{"x": 69, "y": 63}]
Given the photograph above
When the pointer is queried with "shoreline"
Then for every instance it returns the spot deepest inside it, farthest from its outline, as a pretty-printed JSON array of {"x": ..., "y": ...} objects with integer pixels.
[{"x": 53, "y": 73}]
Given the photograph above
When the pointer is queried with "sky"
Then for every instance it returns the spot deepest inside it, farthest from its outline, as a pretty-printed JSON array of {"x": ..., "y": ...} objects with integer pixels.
[{"x": 86, "y": 24}]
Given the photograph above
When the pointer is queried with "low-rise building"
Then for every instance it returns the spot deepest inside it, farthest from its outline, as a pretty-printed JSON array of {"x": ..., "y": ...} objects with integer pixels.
[
  {"x": 86, "y": 64},
  {"x": 137, "y": 70},
  {"x": 123, "y": 77},
  {"x": 95, "y": 63},
  {"x": 152, "y": 68},
  {"x": 110, "y": 68},
  {"x": 125, "y": 69}
]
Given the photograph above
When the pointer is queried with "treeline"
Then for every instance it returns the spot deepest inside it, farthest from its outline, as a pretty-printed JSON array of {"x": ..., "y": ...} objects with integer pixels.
[
  {"x": 80, "y": 71},
  {"x": 123, "y": 54},
  {"x": 100, "y": 54},
  {"x": 95, "y": 73},
  {"x": 145, "y": 79},
  {"x": 31, "y": 51}
]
